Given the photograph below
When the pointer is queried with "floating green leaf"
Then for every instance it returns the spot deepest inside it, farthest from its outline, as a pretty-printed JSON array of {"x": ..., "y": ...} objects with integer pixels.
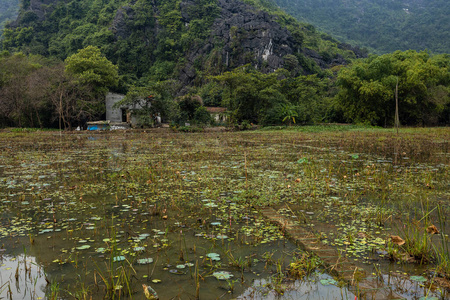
[
  {"x": 222, "y": 275},
  {"x": 329, "y": 281},
  {"x": 83, "y": 247},
  {"x": 143, "y": 261},
  {"x": 118, "y": 258},
  {"x": 418, "y": 278},
  {"x": 213, "y": 256}
]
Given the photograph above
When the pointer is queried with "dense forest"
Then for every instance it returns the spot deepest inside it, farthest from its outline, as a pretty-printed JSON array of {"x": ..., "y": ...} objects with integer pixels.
[
  {"x": 60, "y": 58},
  {"x": 8, "y": 11},
  {"x": 382, "y": 25}
]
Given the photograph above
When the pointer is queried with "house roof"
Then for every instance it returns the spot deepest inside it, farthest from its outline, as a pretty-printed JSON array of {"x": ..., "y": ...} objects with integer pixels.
[{"x": 215, "y": 110}]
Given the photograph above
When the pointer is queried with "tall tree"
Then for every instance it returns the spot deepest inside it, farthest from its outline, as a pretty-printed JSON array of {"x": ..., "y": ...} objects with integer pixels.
[
  {"x": 368, "y": 87},
  {"x": 15, "y": 106},
  {"x": 71, "y": 101},
  {"x": 90, "y": 67}
]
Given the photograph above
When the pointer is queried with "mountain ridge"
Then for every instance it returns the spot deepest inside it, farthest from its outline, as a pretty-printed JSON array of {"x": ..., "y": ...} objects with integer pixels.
[
  {"x": 8, "y": 11},
  {"x": 382, "y": 26}
]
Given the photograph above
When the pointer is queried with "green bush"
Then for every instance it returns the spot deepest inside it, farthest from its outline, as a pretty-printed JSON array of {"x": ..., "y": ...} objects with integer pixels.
[{"x": 202, "y": 116}]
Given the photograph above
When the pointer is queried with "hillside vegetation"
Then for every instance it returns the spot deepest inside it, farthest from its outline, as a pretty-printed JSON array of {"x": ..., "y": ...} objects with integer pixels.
[
  {"x": 382, "y": 25},
  {"x": 8, "y": 11},
  {"x": 158, "y": 40},
  {"x": 61, "y": 57}
]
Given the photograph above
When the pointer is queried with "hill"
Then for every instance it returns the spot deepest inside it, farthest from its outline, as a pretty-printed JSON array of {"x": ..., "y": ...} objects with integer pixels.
[
  {"x": 381, "y": 25},
  {"x": 8, "y": 11},
  {"x": 174, "y": 57},
  {"x": 187, "y": 40}
]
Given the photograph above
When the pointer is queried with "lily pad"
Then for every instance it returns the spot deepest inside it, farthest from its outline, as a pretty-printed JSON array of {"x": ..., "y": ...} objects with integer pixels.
[
  {"x": 143, "y": 261},
  {"x": 418, "y": 278},
  {"x": 329, "y": 281},
  {"x": 222, "y": 275},
  {"x": 213, "y": 256},
  {"x": 118, "y": 258},
  {"x": 143, "y": 236},
  {"x": 83, "y": 247}
]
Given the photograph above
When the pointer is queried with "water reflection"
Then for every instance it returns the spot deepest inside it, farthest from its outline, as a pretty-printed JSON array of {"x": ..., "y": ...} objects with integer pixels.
[
  {"x": 300, "y": 289},
  {"x": 21, "y": 277}
]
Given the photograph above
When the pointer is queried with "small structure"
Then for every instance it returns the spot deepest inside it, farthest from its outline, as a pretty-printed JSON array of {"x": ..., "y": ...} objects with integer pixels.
[
  {"x": 134, "y": 115},
  {"x": 218, "y": 114},
  {"x": 119, "y": 118},
  {"x": 98, "y": 125}
]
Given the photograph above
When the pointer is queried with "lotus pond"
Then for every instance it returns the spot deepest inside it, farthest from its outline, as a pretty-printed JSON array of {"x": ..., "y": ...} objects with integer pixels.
[{"x": 119, "y": 214}]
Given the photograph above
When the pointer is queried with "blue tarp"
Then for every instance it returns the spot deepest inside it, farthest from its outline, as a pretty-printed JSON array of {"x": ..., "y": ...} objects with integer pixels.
[{"x": 98, "y": 127}]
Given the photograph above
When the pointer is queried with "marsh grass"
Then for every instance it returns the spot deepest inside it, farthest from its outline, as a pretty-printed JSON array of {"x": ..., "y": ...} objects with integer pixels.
[
  {"x": 352, "y": 186},
  {"x": 303, "y": 264}
]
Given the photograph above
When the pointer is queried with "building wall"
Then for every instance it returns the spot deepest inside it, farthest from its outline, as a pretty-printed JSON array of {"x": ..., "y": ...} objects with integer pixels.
[{"x": 113, "y": 115}]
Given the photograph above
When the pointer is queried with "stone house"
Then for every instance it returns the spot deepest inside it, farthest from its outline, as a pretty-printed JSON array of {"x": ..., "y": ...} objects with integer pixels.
[
  {"x": 123, "y": 116},
  {"x": 218, "y": 114},
  {"x": 116, "y": 115}
]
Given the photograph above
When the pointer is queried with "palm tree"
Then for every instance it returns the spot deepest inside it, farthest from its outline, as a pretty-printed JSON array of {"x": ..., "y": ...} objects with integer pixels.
[{"x": 289, "y": 112}]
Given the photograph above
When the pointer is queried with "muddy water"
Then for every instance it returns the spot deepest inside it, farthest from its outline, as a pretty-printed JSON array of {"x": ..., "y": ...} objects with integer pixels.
[{"x": 103, "y": 214}]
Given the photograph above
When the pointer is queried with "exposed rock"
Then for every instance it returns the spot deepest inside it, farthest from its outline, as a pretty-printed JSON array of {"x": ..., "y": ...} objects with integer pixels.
[
  {"x": 240, "y": 34},
  {"x": 119, "y": 24},
  {"x": 360, "y": 53},
  {"x": 36, "y": 9},
  {"x": 41, "y": 7},
  {"x": 245, "y": 31}
]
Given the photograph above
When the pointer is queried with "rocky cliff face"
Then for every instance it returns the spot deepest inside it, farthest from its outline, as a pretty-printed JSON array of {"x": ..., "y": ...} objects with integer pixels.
[
  {"x": 239, "y": 26},
  {"x": 40, "y": 7},
  {"x": 239, "y": 35}
]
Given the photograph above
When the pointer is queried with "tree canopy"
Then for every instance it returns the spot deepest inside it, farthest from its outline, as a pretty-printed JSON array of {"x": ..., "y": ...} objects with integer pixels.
[
  {"x": 38, "y": 92},
  {"x": 8, "y": 11},
  {"x": 68, "y": 54},
  {"x": 91, "y": 68},
  {"x": 367, "y": 88},
  {"x": 383, "y": 26}
]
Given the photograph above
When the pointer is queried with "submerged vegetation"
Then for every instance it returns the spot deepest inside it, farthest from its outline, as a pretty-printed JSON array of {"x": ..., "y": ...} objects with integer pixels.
[{"x": 123, "y": 214}]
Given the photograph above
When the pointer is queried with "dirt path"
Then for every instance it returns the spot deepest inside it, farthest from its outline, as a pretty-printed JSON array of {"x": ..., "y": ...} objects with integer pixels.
[{"x": 355, "y": 275}]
